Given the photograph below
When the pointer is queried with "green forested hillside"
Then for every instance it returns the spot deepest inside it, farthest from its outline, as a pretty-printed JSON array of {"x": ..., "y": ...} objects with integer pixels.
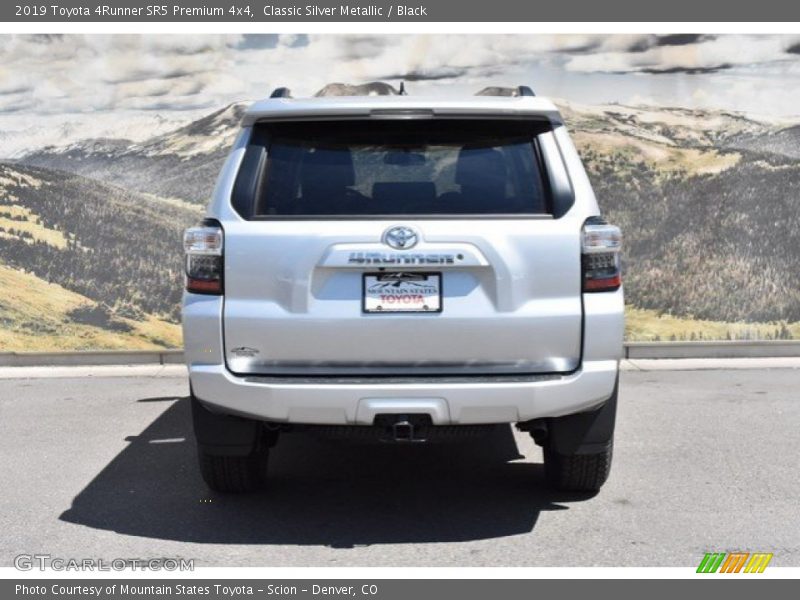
[
  {"x": 118, "y": 248},
  {"x": 721, "y": 246}
]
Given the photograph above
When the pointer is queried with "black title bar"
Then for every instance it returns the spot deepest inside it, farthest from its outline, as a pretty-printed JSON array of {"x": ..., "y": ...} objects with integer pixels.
[{"x": 265, "y": 11}]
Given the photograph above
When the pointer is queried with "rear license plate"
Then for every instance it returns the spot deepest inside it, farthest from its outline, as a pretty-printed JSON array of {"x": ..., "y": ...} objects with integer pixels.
[{"x": 402, "y": 292}]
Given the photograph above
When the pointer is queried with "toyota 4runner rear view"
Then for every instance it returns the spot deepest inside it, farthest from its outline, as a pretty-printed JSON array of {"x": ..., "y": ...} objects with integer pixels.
[{"x": 404, "y": 269}]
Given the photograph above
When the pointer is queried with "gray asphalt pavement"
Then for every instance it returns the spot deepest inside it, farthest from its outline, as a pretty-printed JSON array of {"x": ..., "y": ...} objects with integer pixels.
[{"x": 105, "y": 467}]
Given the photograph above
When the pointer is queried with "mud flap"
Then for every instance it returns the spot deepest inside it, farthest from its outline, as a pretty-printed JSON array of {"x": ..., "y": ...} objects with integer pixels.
[
  {"x": 223, "y": 435},
  {"x": 584, "y": 433}
]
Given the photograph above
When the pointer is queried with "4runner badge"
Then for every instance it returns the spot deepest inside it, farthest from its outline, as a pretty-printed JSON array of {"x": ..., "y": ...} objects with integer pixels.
[{"x": 400, "y": 238}]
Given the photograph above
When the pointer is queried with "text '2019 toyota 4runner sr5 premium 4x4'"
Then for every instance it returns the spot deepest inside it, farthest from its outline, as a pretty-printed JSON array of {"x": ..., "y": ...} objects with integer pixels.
[{"x": 407, "y": 269}]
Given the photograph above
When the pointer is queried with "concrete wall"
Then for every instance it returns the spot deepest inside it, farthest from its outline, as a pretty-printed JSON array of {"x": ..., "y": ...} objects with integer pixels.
[{"x": 705, "y": 349}]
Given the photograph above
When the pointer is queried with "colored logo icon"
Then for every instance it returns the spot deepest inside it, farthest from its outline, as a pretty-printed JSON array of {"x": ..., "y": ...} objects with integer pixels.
[{"x": 734, "y": 562}]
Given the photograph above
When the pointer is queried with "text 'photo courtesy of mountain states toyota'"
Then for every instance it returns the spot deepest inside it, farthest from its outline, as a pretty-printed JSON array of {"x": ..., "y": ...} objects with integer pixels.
[{"x": 403, "y": 269}]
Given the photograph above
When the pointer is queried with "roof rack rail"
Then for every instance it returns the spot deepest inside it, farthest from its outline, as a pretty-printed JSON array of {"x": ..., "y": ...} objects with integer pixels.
[
  {"x": 511, "y": 92},
  {"x": 373, "y": 88},
  {"x": 281, "y": 92}
]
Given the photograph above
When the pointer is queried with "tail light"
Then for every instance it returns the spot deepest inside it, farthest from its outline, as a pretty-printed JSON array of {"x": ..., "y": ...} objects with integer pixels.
[
  {"x": 600, "y": 246},
  {"x": 204, "y": 259}
]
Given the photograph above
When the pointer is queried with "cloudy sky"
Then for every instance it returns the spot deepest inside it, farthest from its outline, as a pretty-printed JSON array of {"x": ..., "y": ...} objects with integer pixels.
[{"x": 47, "y": 78}]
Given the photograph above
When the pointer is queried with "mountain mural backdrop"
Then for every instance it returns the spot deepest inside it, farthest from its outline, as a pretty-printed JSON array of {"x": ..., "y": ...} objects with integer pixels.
[{"x": 709, "y": 203}]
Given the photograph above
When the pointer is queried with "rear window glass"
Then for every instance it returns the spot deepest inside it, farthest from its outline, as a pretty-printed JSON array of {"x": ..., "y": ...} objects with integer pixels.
[{"x": 400, "y": 167}]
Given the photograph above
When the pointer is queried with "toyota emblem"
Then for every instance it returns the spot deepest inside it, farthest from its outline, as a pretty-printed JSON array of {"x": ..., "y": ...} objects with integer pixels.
[{"x": 400, "y": 238}]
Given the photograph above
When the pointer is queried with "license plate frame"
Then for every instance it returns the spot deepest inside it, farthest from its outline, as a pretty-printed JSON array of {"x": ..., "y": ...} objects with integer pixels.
[{"x": 371, "y": 304}]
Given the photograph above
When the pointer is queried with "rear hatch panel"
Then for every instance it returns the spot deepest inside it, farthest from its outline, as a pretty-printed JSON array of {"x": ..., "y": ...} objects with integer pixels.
[{"x": 293, "y": 302}]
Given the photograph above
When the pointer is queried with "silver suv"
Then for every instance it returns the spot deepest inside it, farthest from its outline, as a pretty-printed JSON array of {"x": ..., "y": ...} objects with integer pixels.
[{"x": 406, "y": 269}]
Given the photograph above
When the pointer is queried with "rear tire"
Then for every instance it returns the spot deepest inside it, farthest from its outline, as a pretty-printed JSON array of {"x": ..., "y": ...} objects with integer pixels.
[
  {"x": 234, "y": 474},
  {"x": 578, "y": 472},
  {"x": 579, "y": 448}
]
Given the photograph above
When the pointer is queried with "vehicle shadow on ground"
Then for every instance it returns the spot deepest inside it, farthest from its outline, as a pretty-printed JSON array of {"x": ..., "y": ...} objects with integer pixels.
[{"x": 322, "y": 492}]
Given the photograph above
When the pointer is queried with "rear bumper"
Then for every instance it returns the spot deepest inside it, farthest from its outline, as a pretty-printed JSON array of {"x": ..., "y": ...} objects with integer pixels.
[
  {"x": 448, "y": 403},
  {"x": 465, "y": 401}
]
